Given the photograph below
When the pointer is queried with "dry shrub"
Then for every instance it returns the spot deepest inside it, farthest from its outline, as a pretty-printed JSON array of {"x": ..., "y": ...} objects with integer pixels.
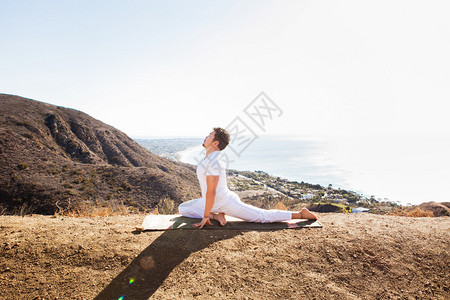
[
  {"x": 90, "y": 210},
  {"x": 409, "y": 212},
  {"x": 280, "y": 206},
  {"x": 166, "y": 206},
  {"x": 418, "y": 212},
  {"x": 397, "y": 212}
]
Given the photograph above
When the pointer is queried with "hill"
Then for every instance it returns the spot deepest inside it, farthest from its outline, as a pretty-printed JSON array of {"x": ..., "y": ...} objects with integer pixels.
[
  {"x": 55, "y": 158},
  {"x": 354, "y": 256},
  {"x": 438, "y": 209}
]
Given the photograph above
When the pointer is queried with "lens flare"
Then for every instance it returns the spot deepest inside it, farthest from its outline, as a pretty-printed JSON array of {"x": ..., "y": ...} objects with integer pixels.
[
  {"x": 131, "y": 280},
  {"x": 121, "y": 298}
]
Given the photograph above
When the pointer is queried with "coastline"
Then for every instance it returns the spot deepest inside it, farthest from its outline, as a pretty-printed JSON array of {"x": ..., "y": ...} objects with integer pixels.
[
  {"x": 403, "y": 169},
  {"x": 192, "y": 155},
  {"x": 187, "y": 155},
  {"x": 310, "y": 171}
]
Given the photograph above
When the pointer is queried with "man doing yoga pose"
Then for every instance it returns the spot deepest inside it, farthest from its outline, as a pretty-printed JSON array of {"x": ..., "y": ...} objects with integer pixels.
[{"x": 217, "y": 200}]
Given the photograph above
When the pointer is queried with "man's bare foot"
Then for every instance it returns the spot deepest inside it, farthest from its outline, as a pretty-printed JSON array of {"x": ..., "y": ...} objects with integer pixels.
[
  {"x": 220, "y": 217},
  {"x": 306, "y": 214}
]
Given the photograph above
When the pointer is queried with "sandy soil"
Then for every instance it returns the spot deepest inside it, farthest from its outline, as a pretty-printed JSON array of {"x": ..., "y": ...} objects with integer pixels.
[{"x": 354, "y": 256}]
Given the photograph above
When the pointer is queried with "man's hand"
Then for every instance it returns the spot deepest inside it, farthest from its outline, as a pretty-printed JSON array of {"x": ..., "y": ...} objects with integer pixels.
[{"x": 202, "y": 223}]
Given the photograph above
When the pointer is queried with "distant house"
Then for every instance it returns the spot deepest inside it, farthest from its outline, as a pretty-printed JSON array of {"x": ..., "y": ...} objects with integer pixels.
[
  {"x": 308, "y": 196},
  {"x": 360, "y": 210}
]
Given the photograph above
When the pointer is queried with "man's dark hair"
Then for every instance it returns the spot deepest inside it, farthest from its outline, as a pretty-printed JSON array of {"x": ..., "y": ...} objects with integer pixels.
[{"x": 222, "y": 136}]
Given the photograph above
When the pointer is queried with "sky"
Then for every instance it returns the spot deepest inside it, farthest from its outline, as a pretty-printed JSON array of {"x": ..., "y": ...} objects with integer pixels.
[{"x": 179, "y": 68}]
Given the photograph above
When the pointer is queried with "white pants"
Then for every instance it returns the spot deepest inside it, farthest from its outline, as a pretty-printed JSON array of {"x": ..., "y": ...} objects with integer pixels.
[{"x": 233, "y": 206}]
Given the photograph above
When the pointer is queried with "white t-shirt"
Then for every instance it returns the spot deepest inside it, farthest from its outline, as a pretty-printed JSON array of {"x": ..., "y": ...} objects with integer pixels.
[{"x": 213, "y": 165}]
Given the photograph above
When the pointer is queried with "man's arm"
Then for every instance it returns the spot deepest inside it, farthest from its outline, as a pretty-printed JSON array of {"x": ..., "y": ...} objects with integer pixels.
[{"x": 211, "y": 186}]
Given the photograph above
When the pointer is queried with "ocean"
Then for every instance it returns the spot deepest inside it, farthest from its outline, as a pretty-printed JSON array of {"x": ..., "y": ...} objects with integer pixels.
[{"x": 403, "y": 169}]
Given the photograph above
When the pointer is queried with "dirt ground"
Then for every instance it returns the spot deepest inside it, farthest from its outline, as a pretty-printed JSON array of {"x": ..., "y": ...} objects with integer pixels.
[{"x": 354, "y": 256}]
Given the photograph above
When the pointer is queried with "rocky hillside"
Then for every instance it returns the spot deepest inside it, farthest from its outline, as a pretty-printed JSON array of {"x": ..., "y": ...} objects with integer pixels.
[{"x": 55, "y": 158}]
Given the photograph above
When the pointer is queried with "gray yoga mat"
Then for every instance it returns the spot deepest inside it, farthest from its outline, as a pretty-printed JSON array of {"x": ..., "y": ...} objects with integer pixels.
[{"x": 170, "y": 222}]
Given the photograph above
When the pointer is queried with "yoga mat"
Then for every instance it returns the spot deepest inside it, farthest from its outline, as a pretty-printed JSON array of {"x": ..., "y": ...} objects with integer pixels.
[{"x": 170, "y": 222}]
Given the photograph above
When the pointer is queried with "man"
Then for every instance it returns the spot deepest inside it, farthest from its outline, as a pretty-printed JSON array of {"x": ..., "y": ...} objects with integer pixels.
[{"x": 217, "y": 200}]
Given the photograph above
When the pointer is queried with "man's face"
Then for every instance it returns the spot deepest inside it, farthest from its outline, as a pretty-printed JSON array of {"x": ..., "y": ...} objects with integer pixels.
[{"x": 209, "y": 139}]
